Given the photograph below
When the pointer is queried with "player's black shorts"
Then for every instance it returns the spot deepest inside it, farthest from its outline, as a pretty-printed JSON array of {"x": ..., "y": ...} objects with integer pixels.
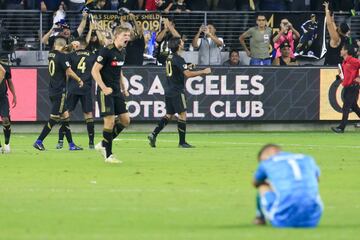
[
  {"x": 111, "y": 105},
  {"x": 175, "y": 104},
  {"x": 86, "y": 102},
  {"x": 4, "y": 106},
  {"x": 58, "y": 103}
]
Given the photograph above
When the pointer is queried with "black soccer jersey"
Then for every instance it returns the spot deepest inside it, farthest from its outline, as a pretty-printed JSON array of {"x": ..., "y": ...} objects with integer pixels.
[
  {"x": 3, "y": 84},
  {"x": 58, "y": 64},
  {"x": 112, "y": 59},
  {"x": 175, "y": 67},
  {"x": 81, "y": 62}
]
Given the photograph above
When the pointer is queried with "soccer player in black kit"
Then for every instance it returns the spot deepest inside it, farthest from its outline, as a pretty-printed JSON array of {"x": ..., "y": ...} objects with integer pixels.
[
  {"x": 59, "y": 69},
  {"x": 5, "y": 82},
  {"x": 81, "y": 62},
  {"x": 176, "y": 72},
  {"x": 107, "y": 72}
]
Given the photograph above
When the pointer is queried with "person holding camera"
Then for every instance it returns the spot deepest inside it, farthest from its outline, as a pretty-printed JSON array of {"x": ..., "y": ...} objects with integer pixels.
[
  {"x": 62, "y": 29},
  {"x": 287, "y": 34},
  {"x": 209, "y": 46}
]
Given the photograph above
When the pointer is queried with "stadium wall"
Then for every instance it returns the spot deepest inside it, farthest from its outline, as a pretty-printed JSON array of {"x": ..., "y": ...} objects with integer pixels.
[{"x": 228, "y": 95}]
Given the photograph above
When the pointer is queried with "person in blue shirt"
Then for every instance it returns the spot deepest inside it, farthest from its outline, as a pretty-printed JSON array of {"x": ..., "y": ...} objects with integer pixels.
[{"x": 288, "y": 192}]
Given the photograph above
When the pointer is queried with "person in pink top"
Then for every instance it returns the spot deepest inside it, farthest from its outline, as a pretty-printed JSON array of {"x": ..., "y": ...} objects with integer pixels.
[{"x": 288, "y": 34}]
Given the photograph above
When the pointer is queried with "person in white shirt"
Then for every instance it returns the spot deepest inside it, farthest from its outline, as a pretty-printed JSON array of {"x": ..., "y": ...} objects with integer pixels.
[{"x": 209, "y": 45}]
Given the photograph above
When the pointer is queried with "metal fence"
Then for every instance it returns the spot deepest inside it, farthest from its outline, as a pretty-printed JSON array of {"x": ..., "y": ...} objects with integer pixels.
[{"x": 30, "y": 25}]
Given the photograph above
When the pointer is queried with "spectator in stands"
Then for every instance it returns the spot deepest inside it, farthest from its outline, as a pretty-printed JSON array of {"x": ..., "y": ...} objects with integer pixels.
[
  {"x": 94, "y": 39},
  {"x": 76, "y": 5},
  {"x": 285, "y": 58},
  {"x": 273, "y": 5},
  {"x": 136, "y": 46},
  {"x": 226, "y": 5},
  {"x": 234, "y": 59},
  {"x": 198, "y": 5},
  {"x": 209, "y": 45},
  {"x": 163, "y": 38},
  {"x": 14, "y": 4},
  {"x": 63, "y": 30},
  {"x": 260, "y": 37},
  {"x": 131, "y": 4},
  {"x": 338, "y": 37},
  {"x": 343, "y": 5},
  {"x": 358, "y": 50},
  {"x": 288, "y": 34},
  {"x": 299, "y": 5},
  {"x": 50, "y": 5},
  {"x": 98, "y": 5},
  {"x": 156, "y": 5},
  {"x": 177, "y": 6},
  {"x": 246, "y": 5}
]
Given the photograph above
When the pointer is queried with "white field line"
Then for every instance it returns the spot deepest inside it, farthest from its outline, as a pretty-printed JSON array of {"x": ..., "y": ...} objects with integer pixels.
[{"x": 248, "y": 143}]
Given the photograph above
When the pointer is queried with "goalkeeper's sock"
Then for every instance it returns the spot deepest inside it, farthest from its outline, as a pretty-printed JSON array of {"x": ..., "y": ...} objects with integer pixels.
[{"x": 259, "y": 212}]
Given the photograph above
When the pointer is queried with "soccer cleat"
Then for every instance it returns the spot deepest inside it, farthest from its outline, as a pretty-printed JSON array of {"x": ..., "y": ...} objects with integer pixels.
[
  {"x": 1, "y": 150},
  {"x": 91, "y": 145},
  {"x": 60, "y": 144},
  {"x": 73, "y": 147},
  {"x": 99, "y": 147},
  {"x": 6, "y": 148},
  {"x": 259, "y": 221},
  {"x": 337, "y": 130},
  {"x": 186, "y": 145},
  {"x": 111, "y": 159},
  {"x": 152, "y": 140},
  {"x": 39, "y": 145}
]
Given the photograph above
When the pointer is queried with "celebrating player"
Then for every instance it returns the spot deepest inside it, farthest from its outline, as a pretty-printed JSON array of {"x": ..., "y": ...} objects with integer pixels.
[
  {"x": 81, "y": 61},
  {"x": 288, "y": 194},
  {"x": 108, "y": 75},
  {"x": 59, "y": 68},
  {"x": 5, "y": 81},
  {"x": 176, "y": 71}
]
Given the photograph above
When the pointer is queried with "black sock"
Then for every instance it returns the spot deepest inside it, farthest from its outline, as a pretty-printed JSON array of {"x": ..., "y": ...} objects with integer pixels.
[
  {"x": 62, "y": 131},
  {"x": 107, "y": 141},
  {"x": 7, "y": 132},
  {"x": 259, "y": 212},
  {"x": 90, "y": 129},
  {"x": 163, "y": 122},
  {"x": 118, "y": 128},
  {"x": 182, "y": 131},
  {"x": 66, "y": 127},
  {"x": 48, "y": 126}
]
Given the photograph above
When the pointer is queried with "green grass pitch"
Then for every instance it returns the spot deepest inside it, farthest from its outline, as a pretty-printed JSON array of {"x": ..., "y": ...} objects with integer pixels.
[{"x": 167, "y": 193}]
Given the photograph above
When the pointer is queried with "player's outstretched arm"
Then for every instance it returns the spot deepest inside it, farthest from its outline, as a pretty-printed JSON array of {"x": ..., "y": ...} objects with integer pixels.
[
  {"x": 95, "y": 72},
  {"x": 190, "y": 74}
]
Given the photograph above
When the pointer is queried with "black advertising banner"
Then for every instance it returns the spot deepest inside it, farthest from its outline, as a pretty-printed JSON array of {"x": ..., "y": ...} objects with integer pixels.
[
  {"x": 311, "y": 28},
  {"x": 228, "y": 94}
]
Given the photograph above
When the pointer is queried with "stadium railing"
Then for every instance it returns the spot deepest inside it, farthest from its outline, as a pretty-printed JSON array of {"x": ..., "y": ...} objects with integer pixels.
[{"x": 30, "y": 25}]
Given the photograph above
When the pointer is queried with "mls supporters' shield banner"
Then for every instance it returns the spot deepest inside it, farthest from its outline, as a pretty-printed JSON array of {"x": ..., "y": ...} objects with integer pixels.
[{"x": 311, "y": 28}]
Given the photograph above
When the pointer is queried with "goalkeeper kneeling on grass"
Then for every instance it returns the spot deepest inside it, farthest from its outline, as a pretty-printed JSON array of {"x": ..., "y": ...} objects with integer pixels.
[{"x": 288, "y": 193}]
